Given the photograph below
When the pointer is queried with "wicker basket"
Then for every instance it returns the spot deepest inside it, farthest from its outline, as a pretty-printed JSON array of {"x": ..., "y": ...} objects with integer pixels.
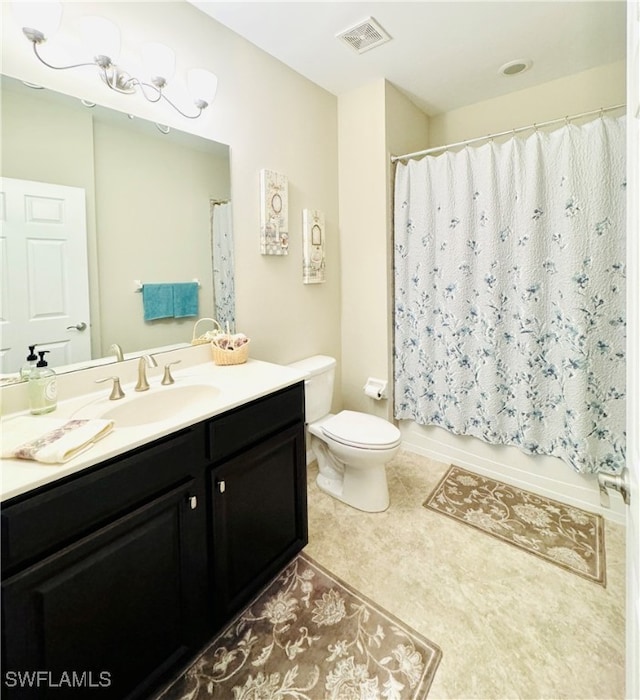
[
  {"x": 207, "y": 336},
  {"x": 230, "y": 357}
]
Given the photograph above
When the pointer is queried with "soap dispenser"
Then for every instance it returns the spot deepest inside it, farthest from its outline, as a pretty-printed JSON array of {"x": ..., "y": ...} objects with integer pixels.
[
  {"x": 30, "y": 363},
  {"x": 43, "y": 390}
]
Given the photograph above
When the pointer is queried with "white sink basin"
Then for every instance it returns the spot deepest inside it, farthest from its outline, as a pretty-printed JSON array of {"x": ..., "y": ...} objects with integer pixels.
[{"x": 155, "y": 405}]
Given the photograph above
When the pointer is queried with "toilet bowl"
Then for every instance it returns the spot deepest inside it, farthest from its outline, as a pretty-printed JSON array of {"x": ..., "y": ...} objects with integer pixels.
[{"x": 352, "y": 448}]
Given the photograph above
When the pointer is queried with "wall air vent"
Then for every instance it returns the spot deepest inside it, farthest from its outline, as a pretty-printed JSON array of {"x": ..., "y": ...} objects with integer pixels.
[{"x": 364, "y": 36}]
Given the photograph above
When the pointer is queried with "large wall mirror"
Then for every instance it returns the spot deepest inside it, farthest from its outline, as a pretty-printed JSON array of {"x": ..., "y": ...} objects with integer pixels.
[{"x": 153, "y": 202}]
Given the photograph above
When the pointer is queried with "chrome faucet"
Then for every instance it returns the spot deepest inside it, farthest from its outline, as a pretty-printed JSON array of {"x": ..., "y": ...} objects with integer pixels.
[
  {"x": 144, "y": 362},
  {"x": 115, "y": 348}
]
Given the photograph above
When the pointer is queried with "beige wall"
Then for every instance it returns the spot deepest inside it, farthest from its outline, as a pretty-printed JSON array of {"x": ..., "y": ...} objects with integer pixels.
[
  {"x": 599, "y": 87},
  {"x": 373, "y": 122},
  {"x": 36, "y": 142},
  {"x": 272, "y": 118},
  {"x": 363, "y": 211}
]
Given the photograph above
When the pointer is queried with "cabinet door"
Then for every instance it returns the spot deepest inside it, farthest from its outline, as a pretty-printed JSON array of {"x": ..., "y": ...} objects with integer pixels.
[
  {"x": 259, "y": 517},
  {"x": 107, "y": 615}
]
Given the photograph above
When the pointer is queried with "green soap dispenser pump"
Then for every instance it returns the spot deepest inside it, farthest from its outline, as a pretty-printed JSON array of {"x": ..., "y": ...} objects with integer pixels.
[
  {"x": 43, "y": 390},
  {"x": 30, "y": 363}
]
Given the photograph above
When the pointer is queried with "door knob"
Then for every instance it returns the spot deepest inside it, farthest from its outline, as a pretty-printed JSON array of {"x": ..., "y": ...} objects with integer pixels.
[
  {"x": 78, "y": 327},
  {"x": 617, "y": 482}
]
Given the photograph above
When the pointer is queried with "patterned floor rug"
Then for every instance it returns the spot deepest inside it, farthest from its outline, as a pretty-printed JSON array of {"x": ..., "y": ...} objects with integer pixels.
[
  {"x": 310, "y": 636},
  {"x": 566, "y": 536}
]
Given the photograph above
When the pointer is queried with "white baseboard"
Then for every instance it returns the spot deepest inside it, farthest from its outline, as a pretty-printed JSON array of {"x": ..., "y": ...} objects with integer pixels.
[{"x": 547, "y": 476}]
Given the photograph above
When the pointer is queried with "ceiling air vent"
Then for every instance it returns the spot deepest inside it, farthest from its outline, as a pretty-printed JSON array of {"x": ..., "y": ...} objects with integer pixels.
[{"x": 366, "y": 35}]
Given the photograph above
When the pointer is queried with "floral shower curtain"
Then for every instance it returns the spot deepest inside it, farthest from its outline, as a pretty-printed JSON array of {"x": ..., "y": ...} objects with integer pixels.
[
  {"x": 223, "y": 266},
  {"x": 510, "y": 293}
]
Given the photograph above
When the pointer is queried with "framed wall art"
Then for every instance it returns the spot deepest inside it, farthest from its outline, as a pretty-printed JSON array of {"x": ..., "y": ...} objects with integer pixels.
[
  {"x": 274, "y": 213},
  {"x": 313, "y": 249}
]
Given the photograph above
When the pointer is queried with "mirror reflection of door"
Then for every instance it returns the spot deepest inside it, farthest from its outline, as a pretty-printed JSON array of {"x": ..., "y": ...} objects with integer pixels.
[{"x": 45, "y": 288}]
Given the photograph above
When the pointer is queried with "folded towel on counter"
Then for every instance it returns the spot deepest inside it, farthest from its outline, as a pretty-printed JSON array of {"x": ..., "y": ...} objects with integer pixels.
[
  {"x": 157, "y": 301},
  {"x": 185, "y": 299},
  {"x": 50, "y": 440}
]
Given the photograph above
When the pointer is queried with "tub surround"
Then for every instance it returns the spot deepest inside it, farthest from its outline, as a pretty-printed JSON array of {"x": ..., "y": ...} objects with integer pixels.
[{"x": 77, "y": 391}]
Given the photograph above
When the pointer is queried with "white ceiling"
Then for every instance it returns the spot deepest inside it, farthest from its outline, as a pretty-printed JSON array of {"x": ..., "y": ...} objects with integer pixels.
[{"x": 443, "y": 55}]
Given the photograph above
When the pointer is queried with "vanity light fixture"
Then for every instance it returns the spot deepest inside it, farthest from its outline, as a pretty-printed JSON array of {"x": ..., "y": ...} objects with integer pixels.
[{"x": 40, "y": 20}]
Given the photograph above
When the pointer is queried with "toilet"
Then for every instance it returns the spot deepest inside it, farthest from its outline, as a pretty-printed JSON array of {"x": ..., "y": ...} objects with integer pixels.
[{"x": 352, "y": 448}]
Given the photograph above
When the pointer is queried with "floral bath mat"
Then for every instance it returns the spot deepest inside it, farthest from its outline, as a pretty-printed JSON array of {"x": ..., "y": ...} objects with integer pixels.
[
  {"x": 310, "y": 636},
  {"x": 561, "y": 534}
]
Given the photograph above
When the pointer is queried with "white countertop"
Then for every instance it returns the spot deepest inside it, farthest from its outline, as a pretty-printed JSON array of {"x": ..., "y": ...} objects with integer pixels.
[{"x": 235, "y": 385}]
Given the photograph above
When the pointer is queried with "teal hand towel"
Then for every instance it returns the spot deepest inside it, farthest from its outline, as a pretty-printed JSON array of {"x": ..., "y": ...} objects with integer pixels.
[
  {"x": 157, "y": 301},
  {"x": 185, "y": 299}
]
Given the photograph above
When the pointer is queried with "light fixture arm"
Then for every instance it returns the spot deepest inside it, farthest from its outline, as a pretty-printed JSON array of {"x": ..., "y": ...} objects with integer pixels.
[
  {"x": 117, "y": 79},
  {"x": 35, "y": 43},
  {"x": 200, "y": 106},
  {"x": 156, "y": 91}
]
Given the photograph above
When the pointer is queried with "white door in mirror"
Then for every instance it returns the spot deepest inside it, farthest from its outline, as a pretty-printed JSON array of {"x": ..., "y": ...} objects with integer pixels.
[{"x": 45, "y": 266}]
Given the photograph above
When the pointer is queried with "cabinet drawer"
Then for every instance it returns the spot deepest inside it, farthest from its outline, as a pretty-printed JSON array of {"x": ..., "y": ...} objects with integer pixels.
[
  {"x": 41, "y": 523},
  {"x": 245, "y": 426}
]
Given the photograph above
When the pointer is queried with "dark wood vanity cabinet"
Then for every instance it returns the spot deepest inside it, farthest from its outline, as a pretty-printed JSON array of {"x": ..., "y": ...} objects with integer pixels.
[
  {"x": 259, "y": 497},
  {"x": 113, "y": 579},
  {"x": 104, "y": 575},
  {"x": 114, "y": 606}
]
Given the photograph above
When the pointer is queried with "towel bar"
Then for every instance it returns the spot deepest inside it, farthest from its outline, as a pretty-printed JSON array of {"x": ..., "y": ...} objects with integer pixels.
[{"x": 137, "y": 284}]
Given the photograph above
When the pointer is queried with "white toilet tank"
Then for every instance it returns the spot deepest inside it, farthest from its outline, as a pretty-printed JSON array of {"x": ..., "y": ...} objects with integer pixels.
[{"x": 318, "y": 388}]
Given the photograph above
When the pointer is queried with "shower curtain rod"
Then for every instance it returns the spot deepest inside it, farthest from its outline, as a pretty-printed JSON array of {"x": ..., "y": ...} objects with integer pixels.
[{"x": 488, "y": 137}]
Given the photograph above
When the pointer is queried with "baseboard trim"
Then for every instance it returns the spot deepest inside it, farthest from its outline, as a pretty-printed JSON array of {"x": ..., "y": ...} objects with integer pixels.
[{"x": 547, "y": 476}]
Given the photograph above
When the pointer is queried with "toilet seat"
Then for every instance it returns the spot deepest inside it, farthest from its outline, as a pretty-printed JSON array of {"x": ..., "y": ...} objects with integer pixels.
[{"x": 356, "y": 429}]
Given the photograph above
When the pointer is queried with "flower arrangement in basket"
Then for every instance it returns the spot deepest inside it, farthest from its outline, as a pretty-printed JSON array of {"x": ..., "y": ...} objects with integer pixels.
[
  {"x": 205, "y": 336},
  {"x": 230, "y": 348}
]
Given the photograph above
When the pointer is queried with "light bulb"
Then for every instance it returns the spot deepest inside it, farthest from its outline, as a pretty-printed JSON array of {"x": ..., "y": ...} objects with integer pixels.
[
  {"x": 42, "y": 17},
  {"x": 101, "y": 38},
  {"x": 202, "y": 86},
  {"x": 159, "y": 62}
]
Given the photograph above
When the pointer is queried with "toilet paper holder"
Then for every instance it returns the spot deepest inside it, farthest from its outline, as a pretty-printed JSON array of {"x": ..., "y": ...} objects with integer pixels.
[{"x": 376, "y": 388}]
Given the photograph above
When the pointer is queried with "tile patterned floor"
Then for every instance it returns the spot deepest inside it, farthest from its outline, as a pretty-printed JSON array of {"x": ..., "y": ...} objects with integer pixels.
[{"x": 510, "y": 625}]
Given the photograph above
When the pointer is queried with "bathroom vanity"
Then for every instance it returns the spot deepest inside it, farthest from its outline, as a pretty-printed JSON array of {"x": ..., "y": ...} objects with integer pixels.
[{"x": 123, "y": 569}]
